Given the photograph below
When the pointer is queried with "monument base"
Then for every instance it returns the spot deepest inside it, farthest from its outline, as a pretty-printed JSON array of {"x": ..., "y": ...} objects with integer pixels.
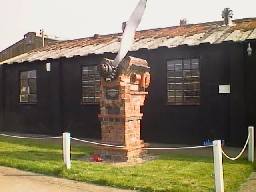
[{"x": 114, "y": 154}]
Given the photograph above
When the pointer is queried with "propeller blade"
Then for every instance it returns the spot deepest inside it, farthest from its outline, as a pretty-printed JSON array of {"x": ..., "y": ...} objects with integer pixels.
[{"x": 129, "y": 32}]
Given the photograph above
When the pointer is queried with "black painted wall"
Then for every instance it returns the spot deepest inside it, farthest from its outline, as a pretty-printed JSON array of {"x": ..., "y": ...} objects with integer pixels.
[
  {"x": 219, "y": 116},
  {"x": 43, "y": 117},
  {"x": 2, "y": 96},
  {"x": 188, "y": 124},
  {"x": 250, "y": 87}
]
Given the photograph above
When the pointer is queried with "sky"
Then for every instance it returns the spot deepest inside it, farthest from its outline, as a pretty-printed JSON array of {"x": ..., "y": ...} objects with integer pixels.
[{"x": 71, "y": 19}]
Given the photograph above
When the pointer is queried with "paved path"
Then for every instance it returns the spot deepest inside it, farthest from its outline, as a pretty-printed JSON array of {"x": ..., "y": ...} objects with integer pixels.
[
  {"x": 13, "y": 180},
  {"x": 250, "y": 185}
]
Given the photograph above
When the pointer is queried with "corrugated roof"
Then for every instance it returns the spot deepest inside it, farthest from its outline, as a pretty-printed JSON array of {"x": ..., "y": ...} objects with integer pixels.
[{"x": 191, "y": 35}]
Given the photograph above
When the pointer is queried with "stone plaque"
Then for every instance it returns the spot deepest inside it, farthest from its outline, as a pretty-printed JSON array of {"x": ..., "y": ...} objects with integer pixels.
[
  {"x": 112, "y": 93},
  {"x": 113, "y": 110}
]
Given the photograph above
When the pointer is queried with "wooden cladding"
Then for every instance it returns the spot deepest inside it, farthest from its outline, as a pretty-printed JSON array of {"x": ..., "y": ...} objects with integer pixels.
[{"x": 183, "y": 82}]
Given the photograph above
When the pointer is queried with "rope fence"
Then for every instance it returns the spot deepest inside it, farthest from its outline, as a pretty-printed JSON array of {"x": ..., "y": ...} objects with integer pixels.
[
  {"x": 218, "y": 151},
  {"x": 240, "y": 154},
  {"x": 177, "y": 148},
  {"x": 23, "y": 137},
  {"x": 97, "y": 143}
]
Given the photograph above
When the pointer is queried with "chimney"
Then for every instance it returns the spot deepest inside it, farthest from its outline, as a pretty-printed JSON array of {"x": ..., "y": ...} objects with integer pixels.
[
  {"x": 227, "y": 15},
  {"x": 123, "y": 26},
  {"x": 95, "y": 36},
  {"x": 183, "y": 22},
  {"x": 29, "y": 37}
]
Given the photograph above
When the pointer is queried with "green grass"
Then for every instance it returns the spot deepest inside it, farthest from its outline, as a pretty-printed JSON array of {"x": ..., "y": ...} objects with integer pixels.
[{"x": 169, "y": 172}]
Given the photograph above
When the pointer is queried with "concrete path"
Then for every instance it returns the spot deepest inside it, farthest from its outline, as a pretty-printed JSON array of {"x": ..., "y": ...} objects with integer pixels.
[
  {"x": 250, "y": 185},
  {"x": 13, "y": 180}
]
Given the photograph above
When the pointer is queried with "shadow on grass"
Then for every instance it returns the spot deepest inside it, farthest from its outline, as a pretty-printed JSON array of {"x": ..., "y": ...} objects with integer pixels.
[
  {"x": 33, "y": 155},
  {"x": 189, "y": 158}
]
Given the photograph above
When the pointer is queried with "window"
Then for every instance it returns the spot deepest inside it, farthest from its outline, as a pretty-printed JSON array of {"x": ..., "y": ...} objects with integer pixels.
[
  {"x": 28, "y": 88},
  {"x": 90, "y": 84},
  {"x": 183, "y": 82}
]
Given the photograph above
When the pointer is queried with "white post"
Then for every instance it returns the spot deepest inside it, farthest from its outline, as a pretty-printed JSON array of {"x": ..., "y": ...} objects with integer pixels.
[
  {"x": 66, "y": 150},
  {"x": 251, "y": 144},
  {"x": 218, "y": 167}
]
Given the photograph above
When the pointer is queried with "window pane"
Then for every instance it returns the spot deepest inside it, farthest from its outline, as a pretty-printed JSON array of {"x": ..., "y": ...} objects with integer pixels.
[
  {"x": 178, "y": 67},
  {"x": 171, "y": 86},
  {"x": 179, "y": 100},
  {"x": 171, "y": 99},
  {"x": 28, "y": 88},
  {"x": 171, "y": 64},
  {"x": 32, "y": 86},
  {"x": 183, "y": 82},
  {"x": 171, "y": 73},
  {"x": 179, "y": 86},
  {"x": 24, "y": 75},
  {"x": 187, "y": 64},
  {"x": 171, "y": 93},
  {"x": 194, "y": 73},
  {"x": 32, "y": 74},
  {"x": 173, "y": 80},
  {"x": 90, "y": 84},
  {"x": 23, "y": 87},
  {"x": 178, "y": 74},
  {"x": 32, "y": 98},
  {"x": 179, "y": 93},
  {"x": 195, "y": 64},
  {"x": 24, "y": 98},
  {"x": 186, "y": 73}
]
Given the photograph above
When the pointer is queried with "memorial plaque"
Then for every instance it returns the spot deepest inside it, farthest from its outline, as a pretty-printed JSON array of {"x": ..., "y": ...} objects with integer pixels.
[
  {"x": 112, "y": 93},
  {"x": 113, "y": 110}
]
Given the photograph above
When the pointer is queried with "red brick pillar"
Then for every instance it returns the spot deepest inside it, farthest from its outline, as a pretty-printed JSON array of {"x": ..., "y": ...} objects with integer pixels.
[{"x": 120, "y": 115}]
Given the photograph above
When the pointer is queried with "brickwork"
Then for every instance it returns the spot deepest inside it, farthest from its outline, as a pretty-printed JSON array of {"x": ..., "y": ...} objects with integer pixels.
[{"x": 120, "y": 115}]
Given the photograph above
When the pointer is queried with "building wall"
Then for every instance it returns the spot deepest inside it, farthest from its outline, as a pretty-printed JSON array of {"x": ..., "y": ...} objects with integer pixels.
[
  {"x": 250, "y": 88},
  {"x": 219, "y": 116},
  {"x": 176, "y": 124},
  {"x": 80, "y": 119},
  {"x": 43, "y": 117},
  {"x": 1, "y": 97}
]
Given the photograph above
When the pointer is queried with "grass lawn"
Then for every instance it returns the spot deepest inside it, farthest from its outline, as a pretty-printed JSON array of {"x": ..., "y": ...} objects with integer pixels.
[{"x": 169, "y": 172}]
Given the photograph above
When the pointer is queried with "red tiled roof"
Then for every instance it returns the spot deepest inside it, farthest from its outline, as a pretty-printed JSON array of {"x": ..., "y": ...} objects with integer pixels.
[{"x": 191, "y": 35}]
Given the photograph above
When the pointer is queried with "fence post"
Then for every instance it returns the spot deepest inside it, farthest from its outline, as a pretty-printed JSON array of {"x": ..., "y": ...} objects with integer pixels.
[
  {"x": 251, "y": 144},
  {"x": 218, "y": 167},
  {"x": 66, "y": 150}
]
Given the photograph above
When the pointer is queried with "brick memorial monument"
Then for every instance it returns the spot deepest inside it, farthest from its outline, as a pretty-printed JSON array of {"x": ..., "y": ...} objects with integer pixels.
[{"x": 122, "y": 95}]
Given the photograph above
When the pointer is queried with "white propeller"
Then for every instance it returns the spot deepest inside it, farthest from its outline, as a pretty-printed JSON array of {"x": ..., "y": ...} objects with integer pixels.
[{"x": 129, "y": 32}]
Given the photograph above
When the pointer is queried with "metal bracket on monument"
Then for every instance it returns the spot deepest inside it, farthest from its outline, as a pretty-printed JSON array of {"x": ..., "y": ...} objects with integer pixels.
[
  {"x": 129, "y": 66},
  {"x": 107, "y": 70}
]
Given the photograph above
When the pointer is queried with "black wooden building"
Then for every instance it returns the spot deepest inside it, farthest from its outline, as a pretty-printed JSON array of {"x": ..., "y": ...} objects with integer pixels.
[{"x": 202, "y": 84}]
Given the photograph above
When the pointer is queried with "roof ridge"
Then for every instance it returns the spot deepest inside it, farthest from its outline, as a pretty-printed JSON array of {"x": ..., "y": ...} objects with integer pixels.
[
  {"x": 192, "y": 34},
  {"x": 219, "y": 22}
]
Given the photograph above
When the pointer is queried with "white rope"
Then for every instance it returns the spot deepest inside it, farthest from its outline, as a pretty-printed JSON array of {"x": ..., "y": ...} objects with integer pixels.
[
  {"x": 22, "y": 137},
  {"x": 107, "y": 145},
  {"x": 96, "y": 143},
  {"x": 178, "y": 148},
  {"x": 240, "y": 154},
  {"x": 120, "y": 146}
]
